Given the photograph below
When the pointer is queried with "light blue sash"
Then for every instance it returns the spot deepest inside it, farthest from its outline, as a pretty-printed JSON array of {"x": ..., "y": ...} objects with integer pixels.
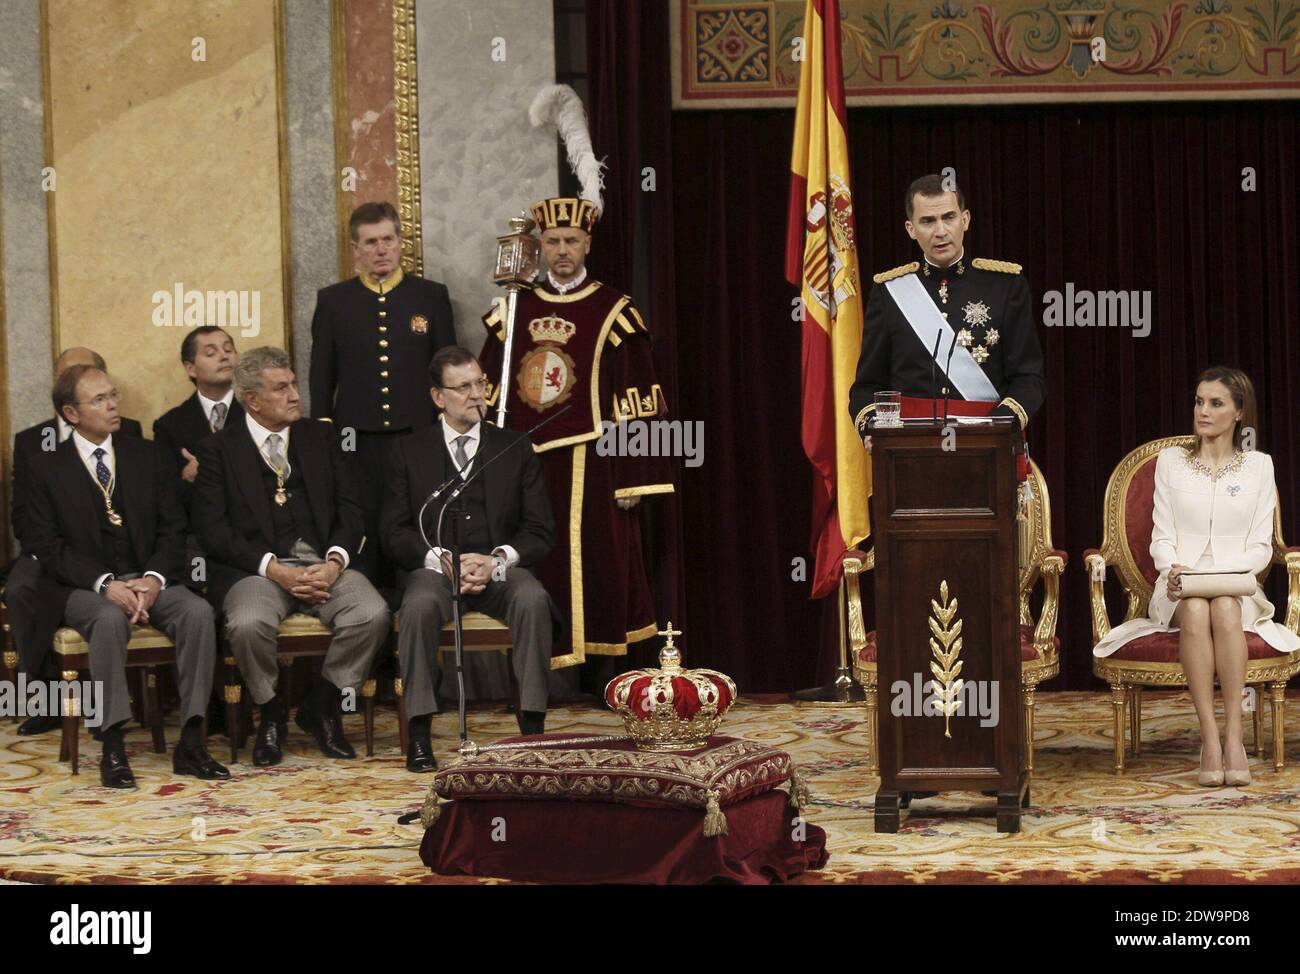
[{"x": 926, "y": 320}]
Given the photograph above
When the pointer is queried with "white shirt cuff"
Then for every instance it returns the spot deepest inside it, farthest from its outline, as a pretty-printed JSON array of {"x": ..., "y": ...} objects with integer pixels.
[
  {"x": 266, "y": 560},
  {"x": 99, "y": 581},
  {"x": 161, "y": 581},
  {"x": 507, "y": 554},
  {"x": 433, "y": 560},
  {"x": 342, "y": 554}
]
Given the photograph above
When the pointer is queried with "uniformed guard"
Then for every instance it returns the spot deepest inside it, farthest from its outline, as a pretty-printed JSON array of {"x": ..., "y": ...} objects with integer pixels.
[
  {"x": 979, "y": 310},
  {"x": 373, "y": 337}
]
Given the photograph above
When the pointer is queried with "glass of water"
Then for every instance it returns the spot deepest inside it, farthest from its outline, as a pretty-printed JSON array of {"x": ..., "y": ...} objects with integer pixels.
[{"x": 888, "y": 410}]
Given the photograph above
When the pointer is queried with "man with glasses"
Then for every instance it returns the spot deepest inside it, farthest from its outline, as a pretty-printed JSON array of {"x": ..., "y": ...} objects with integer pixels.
[
  {"x": 373, "y": 337},
  {"x": 35, "y": 600},
  {"x": 505, "y": 528},
  {"x": 277, "y": 515},
  {"x": 105, "y": 521}
]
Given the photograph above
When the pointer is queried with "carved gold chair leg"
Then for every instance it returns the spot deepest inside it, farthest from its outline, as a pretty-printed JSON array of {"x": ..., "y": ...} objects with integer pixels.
[
  {"x": 401, "y": 712},
  {"x": 1118, "y": 698},
  {"x": 1029, "y": 728},
  {"x": 1136, "y": 719},
  {"x": 1257, "y": 719},
  {"x": 1278, "y": 688},
  {"x": 71, "y": 723},
  {"x": 873, "y": 741}
]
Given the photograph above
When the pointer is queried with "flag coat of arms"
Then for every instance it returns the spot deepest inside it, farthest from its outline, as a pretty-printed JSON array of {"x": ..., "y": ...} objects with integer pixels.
[{"x": 822, "y": 259}]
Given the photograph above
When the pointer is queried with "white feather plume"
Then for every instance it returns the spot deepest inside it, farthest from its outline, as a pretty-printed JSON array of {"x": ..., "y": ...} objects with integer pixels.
[{"x": 559, "y": 105}]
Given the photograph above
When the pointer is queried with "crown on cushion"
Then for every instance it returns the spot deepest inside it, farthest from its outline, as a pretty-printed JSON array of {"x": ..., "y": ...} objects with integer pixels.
[{"x": 671, "y": 709}]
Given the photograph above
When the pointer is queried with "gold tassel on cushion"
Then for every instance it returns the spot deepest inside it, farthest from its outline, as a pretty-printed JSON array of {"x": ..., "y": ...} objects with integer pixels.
[
  {"x": 430, "y": 810},
  {"x": 800, "y": 796},
  {"x": 715, "y": 823}
]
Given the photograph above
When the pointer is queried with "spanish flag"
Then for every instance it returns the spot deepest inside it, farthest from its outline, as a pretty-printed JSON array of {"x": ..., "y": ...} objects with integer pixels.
[{"x": 822, "y": 258}]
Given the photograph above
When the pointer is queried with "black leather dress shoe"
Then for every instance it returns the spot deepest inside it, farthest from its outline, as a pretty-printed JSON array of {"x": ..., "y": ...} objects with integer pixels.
[
  {"x": 194, "y": 760},
  {"x": 531, "y": 722},
  {"x": 114, "y": 771},
  {"x": 328, "y": 731},
  {"x": 39, "y": 725},
  {"x": 419, "y": 755},
  {"x": 269, "y": 748}
]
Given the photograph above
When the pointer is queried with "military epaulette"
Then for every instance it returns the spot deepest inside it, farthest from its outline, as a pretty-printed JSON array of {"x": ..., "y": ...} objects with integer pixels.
[
  {"x": 899, "y": 271},
  {"x": 630, "y": 320},
  {"x": 1005, "y": 266}
]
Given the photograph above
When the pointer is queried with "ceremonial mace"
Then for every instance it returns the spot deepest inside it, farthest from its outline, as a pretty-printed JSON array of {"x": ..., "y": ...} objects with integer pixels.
[{"x": 517, "y": 265}]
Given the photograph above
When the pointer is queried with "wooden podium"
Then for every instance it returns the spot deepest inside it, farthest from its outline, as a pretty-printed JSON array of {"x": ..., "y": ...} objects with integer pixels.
[{"x": 943, "y": 520}]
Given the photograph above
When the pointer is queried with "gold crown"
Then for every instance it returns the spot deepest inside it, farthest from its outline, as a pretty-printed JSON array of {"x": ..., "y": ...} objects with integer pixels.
[
  {"x": 551, "y": 329},
  {"x": 648, "y": 702},
  {"x": 565, "y": 211}
]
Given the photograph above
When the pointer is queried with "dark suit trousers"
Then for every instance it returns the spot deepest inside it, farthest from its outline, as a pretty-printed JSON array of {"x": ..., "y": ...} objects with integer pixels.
[
  {"x": 519, "y": 601},
  {"x": 374, "y": 453},
  {"x": 181, "y": 614},
  {"x": 36, "y": 602}
]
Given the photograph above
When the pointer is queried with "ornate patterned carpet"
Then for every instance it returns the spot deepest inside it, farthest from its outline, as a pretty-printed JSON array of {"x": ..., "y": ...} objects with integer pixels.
[{"x": 314, "y": 821}]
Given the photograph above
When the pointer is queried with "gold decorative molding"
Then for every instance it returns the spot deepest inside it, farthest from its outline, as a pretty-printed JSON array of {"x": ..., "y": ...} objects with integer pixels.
[
  {"x": 407, "y": 125},
  {"x": 51, "y": 224},
  {"x": 6, "y": 435},
  {"x": 945, "y": 645},
  {"x": 282, "y": 137},
  {"x": 339, "y": 92}
]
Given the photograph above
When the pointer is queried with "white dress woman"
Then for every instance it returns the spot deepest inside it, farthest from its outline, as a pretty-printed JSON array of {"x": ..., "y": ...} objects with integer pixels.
[{"x": 1220, "y": 520}]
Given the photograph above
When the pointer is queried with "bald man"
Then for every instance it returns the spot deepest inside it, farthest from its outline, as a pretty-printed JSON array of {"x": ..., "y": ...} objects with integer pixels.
[{"x": 34, "y": 599}]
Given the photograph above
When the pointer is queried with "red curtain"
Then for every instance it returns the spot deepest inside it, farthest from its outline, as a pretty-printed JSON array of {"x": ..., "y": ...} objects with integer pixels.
[{"x": 1145, "y": 197}]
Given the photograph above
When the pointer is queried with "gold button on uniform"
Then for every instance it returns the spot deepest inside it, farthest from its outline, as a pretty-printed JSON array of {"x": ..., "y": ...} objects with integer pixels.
[
  {"x": 385, "y": 422},
  {"x": 383, "y": 374},
  {"x": 382, "y": 299},
  {"x": 383, "y": 358},
  {"x": 383, "y": 343},
  {"x": 385, "y": 407},
  {"x": 383, "y": 314},
  {"x": 383, "y": 328},
  {"x": 384, "y": 390}
]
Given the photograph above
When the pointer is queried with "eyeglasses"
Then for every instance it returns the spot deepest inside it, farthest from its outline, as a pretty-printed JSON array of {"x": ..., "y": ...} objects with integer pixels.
[
  {"x": 370, "y": 246},
  {"x": 464, "y": 389},
  {"x": 100, "y": 401}
]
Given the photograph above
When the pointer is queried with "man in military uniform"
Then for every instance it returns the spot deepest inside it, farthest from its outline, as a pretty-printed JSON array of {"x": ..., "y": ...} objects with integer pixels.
[
  {"x": 373, "y": 337},
  {"x": 983, "y": 306},
  {"x": 582, "y": 342}
]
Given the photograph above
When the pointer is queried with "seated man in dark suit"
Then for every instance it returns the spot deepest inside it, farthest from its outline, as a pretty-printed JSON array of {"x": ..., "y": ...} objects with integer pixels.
[
  {"x": 105, "y": 522},
  {"x": 35, "y": 599},
  {"x": 509, "y": 527},
  {"x": 276, "y": 512},
  {"x": 208, "y": 355}
]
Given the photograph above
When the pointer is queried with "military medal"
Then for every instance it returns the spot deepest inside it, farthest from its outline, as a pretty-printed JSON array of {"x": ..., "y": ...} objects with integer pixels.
[
  {"x": 114, "y": 518},
  {"x": 281, "y": 497},
  {"x": 977, "y": 313}
]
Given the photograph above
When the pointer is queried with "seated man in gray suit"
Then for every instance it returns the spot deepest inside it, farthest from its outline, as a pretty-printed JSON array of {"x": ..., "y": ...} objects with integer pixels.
[
  {"x": 507, "y": 527},
  {"x": 105, "y": 521},
  {"x": 277, "y": 513}
]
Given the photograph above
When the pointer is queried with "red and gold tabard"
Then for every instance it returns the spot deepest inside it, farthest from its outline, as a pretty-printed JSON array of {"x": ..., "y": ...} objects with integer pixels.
[{"x": 591, "y": 348}]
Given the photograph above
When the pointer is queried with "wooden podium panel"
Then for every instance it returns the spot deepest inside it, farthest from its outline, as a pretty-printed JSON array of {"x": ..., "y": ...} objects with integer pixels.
[{"x": 943, "y": 514}]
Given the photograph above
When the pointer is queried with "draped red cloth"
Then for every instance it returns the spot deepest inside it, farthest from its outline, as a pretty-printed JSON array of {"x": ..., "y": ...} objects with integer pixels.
[{"x": 600, "y": 842}]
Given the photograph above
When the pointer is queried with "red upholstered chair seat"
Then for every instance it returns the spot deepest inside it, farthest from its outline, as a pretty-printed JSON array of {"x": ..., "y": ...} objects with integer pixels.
[
  {"x": 1162, "y": 647},
  {"x": 1027, "y": 652}
]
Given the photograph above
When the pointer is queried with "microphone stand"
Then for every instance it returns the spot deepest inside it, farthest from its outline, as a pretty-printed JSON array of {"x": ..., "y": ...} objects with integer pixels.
[
  {"x": 466, "y": 745},
  {"x": 934, "y": 385},
  {"x": 947, "y": 366}
]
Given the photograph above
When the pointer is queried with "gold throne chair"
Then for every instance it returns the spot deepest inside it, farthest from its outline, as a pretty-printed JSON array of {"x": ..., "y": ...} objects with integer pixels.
[
  {"x": 1152, "y": 661},
  {"x": 1040, "y": 648}
]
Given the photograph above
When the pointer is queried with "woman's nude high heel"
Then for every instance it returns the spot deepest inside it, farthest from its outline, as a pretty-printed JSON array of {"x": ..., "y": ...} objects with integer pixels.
[
  {"x": 1211, "y": 779},
  {"x": 1238, "y": 777}
]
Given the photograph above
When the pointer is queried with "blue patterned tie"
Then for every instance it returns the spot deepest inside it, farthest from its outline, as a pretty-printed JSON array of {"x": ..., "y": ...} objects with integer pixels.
[{"x": 101, "y": 469}]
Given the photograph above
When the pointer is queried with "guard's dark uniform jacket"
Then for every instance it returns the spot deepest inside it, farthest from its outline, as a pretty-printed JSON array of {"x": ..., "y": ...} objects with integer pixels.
[
  {"x": 372, "y": 342},
  {"x": 987, "y": 304}
]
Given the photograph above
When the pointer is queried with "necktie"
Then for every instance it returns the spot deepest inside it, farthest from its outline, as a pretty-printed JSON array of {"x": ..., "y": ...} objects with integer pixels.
[
  {"x": 461, "y": 458},
  {"x": 101, "y": 468},
  {"x": 218, "y": 416},
  {"x": 274, "y": 450}
]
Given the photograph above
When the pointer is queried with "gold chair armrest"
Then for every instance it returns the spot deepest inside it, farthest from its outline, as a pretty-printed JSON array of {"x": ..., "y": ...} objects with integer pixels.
[
  {"x": 1293, "y": 591},
  {"x": 1052, "y": 567},
  {"x": 1095, "y": 565},
  {"x": 857, "y": 626}
]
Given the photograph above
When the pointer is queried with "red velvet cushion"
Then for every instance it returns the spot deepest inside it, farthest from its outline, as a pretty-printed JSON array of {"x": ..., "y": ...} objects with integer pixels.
[
  {"x": 613, "y": 770},
  {"x": 597, "y": 842},
  {"x": 1027, "y": 652},
  {"x": 1138, "y": 506},
  {"x": 1162, "y": 647}
]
